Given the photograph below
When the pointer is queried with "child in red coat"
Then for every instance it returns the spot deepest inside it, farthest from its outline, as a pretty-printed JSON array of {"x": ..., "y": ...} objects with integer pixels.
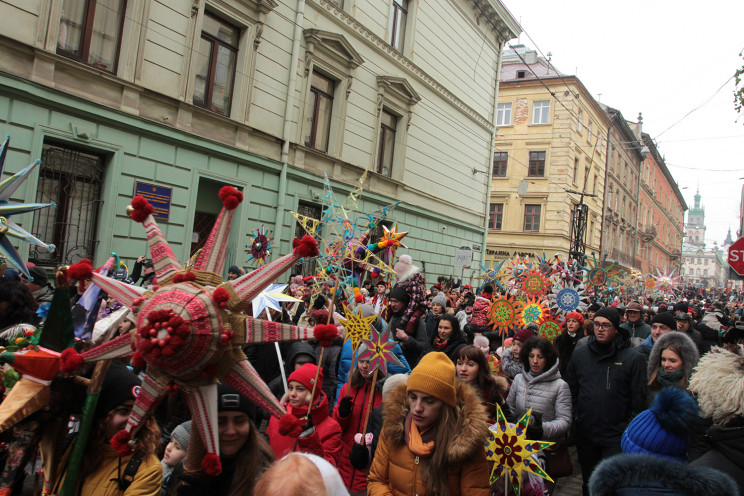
[{"x": 318, "y": 434}]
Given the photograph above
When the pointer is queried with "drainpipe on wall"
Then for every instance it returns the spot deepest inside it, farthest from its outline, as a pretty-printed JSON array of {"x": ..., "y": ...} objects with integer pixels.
[
  {"x": 282, "y": 191},
  {"x": 489, "y": 162},
  {"x": 604, "y": 196}
]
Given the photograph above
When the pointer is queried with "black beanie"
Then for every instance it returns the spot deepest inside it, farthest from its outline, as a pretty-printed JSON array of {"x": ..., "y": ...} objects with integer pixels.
[
  {"x": 400, "y": 294},
  {"x": 610, "y": 314},
  {"x": 665, "y": 318},
  {"x": 230, "y": 400},
  {"x": 119, "y": 385},
  {"x": 594, "y": 307}
]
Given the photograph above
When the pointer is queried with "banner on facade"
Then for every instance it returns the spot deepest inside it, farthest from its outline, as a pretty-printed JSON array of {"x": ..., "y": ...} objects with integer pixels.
[{"x": 463, "y": 258}]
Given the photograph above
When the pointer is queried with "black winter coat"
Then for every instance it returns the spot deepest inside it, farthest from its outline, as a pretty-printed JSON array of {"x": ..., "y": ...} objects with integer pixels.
[
  {"x": 608, "y": 388},
  {"x": 565, "y": 345},
  {"x": 726, "y": 453}
]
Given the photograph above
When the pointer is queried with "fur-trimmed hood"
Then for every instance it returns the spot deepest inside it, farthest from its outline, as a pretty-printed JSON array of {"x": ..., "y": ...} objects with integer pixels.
[
  {"x": 648, "y": 475},
  {"x": 472, "y": 421},
  {"x": 690, "y": 355},
  {"x": 718, "y": 383}
]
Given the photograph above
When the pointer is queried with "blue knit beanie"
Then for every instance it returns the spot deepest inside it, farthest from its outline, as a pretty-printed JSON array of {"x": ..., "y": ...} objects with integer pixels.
[{"x": 664, "y": 429}]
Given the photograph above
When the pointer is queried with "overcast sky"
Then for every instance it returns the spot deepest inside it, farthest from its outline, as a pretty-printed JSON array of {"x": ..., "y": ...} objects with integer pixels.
[{"x": 662, "y": 58}]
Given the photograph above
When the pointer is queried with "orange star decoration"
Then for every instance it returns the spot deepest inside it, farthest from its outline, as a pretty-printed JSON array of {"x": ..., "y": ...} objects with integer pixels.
[
  {"x": 534, "y": 283},
  {"x": 511, "y": 452},
  {"x": 503, "y": 313},
  {"x": 530, "y": 311},
  {"x": 357, "y": 327}
]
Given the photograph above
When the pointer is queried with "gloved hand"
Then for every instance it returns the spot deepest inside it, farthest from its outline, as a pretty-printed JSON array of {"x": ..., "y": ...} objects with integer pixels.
[
  {"x": 345, "y": 406},
  {"x": 190, "y": 485},
  {"x": 534, "y": 428}
]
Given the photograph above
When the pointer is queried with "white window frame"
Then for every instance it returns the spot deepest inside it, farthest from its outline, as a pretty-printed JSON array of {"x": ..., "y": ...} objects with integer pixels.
[
  {"x": 579, "y": 123},
  {"x": 541, "y": 112},
  {"x": 503, "y": 114}
]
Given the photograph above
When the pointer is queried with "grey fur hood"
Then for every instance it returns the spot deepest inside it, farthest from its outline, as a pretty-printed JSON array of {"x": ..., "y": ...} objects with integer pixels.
[
  {"x": 648, "y": 475},
  {"x": 690, "y": 355}
]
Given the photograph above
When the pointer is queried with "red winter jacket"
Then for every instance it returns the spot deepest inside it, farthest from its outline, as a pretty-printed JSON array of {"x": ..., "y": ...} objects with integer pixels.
[
  {"x": 324, "y": 442},
  {"x": 355, "y": 480}
]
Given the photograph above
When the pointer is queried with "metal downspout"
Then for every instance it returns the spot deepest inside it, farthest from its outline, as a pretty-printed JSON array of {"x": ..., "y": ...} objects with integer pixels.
[{"x": 289, "y": 107}]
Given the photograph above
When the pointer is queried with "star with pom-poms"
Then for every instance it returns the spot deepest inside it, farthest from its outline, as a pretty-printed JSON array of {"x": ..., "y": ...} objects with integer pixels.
[{"x": 511, "y": 452}]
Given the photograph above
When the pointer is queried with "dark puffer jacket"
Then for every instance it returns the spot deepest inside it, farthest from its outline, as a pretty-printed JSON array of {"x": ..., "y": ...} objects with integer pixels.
[
  {"x": 726, "y": 453},
  {"x": 608, "y": 388}
]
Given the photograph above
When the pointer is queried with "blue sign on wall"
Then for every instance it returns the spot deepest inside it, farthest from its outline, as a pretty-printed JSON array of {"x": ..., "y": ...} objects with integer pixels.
[{"x": 158, "y": 196}]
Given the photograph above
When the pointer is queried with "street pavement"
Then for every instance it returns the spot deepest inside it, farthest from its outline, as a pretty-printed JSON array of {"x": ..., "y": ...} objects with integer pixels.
[{"x": 570, "y": 486}]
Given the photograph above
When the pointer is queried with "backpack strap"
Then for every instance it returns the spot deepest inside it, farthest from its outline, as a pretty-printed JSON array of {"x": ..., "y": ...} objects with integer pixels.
[{"x": 125, "y": 480}]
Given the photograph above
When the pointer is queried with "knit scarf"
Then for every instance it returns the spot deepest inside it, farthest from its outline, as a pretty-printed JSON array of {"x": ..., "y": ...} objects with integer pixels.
[
  {"x": 669, "y": 379},
  {"x": 440, "y": 343},
  {"x": 415, "y": 443}
]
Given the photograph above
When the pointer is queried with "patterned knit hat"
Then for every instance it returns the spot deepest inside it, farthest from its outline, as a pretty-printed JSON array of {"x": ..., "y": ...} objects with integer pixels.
[
  {"x": 434, "y": 375},
  {"x": 480, "y": 316},
  {"x": 663, "y": 429}
]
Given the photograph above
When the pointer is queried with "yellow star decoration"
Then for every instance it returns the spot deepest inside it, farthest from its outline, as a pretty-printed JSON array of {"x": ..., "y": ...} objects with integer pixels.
[
  {"x": 357, "y": 327},
  {"x": 511, "y": 452}
]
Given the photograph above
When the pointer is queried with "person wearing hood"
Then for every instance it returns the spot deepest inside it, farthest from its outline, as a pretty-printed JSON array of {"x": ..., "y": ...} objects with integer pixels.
[
  {"x": 511, "y": 363},
  {"x": 413, "y": 344},
  {"x": 432, "y": 438},
  {"x": 638, "y": 329},
  {"x": 670, "y": 364},
  {"x": 38, "y": 283},
  {"x": 298, "y": 354},
  {"x": 142, "y": 265},
  {"x": 718, "y": 385},
  {"x": 307, "y": 426},
  {"x": 661, "y": 324},
  {"x": 592, "y": 310},
  {"x": 607, "y": 379}
]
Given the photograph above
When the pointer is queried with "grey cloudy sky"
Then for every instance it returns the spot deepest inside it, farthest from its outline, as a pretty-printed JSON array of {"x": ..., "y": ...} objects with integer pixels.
[{"x": 662, "y": 58}]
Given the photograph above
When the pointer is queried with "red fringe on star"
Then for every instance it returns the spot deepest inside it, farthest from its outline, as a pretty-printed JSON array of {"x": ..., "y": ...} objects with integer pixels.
[
  {"x": 211, "y": 464},
  {"x": 71, "y": 361}
]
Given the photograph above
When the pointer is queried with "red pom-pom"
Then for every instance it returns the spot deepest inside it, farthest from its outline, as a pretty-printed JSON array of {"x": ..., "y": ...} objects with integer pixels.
[
  {"x": 71, "y": 361},
  {"x": 137, "y": 359},
  {"x": 83, "y": 270},
  {"x": 211, "y": 464},
  {"x": 86, "y": 261},
  {"x": 325, "y": 334},
  {"x": 230, "y": 197},
  {"x": 306, "y": 247},
  {"x": 141, "y": 208},
  {"x": 289, "y": 425},
  {"x": 120, "y": 442},
  {"x": 220, "y": 297}
]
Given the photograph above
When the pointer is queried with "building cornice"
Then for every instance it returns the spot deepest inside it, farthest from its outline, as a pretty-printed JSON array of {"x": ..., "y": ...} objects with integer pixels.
[{"x": 374, "y": 41}]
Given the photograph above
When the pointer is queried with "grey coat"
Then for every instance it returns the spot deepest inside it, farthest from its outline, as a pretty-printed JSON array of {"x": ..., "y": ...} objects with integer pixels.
[
  {"x": 546, "y": 393},
  {"x": 509, "y": 365}
]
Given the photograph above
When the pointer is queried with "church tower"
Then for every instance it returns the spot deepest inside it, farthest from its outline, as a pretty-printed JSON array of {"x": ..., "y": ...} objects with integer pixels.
[{"x": 695, "y": 227}]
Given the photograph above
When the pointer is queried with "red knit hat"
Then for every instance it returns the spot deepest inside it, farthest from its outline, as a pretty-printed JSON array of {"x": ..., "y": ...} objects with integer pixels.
[
  {"x": 523, "y": 335},
  {"x": 305, "y": 375},
  {"x": 577, "y": 316}
]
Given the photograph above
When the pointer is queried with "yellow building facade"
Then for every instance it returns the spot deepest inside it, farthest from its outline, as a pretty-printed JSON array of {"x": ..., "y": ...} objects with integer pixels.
[{"x": 551, "y": 140}]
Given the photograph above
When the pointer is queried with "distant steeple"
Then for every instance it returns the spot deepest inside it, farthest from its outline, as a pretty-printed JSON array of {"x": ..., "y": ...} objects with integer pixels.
[
  {"x": 728, "y": 241},
  {"x": 697, "y": 199}
]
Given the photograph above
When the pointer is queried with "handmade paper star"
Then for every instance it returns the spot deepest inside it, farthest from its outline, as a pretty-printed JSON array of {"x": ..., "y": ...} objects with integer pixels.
[
  {"x": 8, "y": 227},
  {"x": 531, "y": 311},
  {"x": 503, "y": 313},
  {"x": 568, "y": 296},
  {"x": 357, "y": 327},
  {"x": 549, "y": 327},
  {"x": 260, "y": 250},
  {"x": 511, "y": 452},
  {"x": 379, "y": 351},
  {"x": 666, "y": 283},
  {"x": 494, "y": 274},
  {"x": 534, "y": 283},
  {"x": 271, "y": 297}
]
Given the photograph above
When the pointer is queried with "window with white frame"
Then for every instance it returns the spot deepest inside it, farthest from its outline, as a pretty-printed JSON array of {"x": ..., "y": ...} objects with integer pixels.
[
  {"x": 541, "y": 112},
  {"x": 579, "y": 123},
  {"x": 318, "y": 121},
  {"x": 396, "y": 99},
  {"x": 398, "y": 24},
  {"x": 589, "y": 132},
  {"x": 503, "y": 114}
]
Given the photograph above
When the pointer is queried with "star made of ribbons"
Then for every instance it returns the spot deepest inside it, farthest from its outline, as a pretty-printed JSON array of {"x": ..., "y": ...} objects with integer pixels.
[
  {"x": 379, "y": 351},
  {"x": 357, "y": 326},
  {"x": 511, "y": 452}
]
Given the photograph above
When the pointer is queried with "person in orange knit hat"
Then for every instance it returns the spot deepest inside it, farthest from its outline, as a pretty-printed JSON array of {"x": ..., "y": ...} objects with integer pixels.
[{"x": 433, "y": 435}]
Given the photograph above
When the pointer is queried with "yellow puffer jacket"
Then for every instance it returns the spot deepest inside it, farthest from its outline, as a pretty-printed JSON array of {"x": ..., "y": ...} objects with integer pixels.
[
  {"x": 397, "y": 471},
  {"x": 146, "y": 481}
]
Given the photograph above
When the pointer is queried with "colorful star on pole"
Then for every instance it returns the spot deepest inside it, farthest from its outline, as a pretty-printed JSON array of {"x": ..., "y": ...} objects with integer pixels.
[
  {"x": 534, "y": 283},
  {"x": 379, "y": 351},
  {"x": 511, "y": 452},
  {"x": 494, "y": 274},
  {"x": 503, "y": 314},
  {"x": 271, "y": 297},
  {"x": 531, "y": 311},
  {"x": 357, "y": 327},
  {"x": 260, "y": 250}
]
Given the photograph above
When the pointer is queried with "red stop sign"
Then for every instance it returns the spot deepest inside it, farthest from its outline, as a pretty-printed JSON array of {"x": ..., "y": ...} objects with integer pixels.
[{"x": 736, "y": 256}]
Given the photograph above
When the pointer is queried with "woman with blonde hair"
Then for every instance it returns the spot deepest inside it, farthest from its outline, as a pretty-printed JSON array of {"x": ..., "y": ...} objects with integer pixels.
[{"x": 301, "y": 473}]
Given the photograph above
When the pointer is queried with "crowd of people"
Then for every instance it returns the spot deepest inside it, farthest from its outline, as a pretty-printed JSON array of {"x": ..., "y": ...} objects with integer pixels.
[{"x": 650, "y": 391}]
